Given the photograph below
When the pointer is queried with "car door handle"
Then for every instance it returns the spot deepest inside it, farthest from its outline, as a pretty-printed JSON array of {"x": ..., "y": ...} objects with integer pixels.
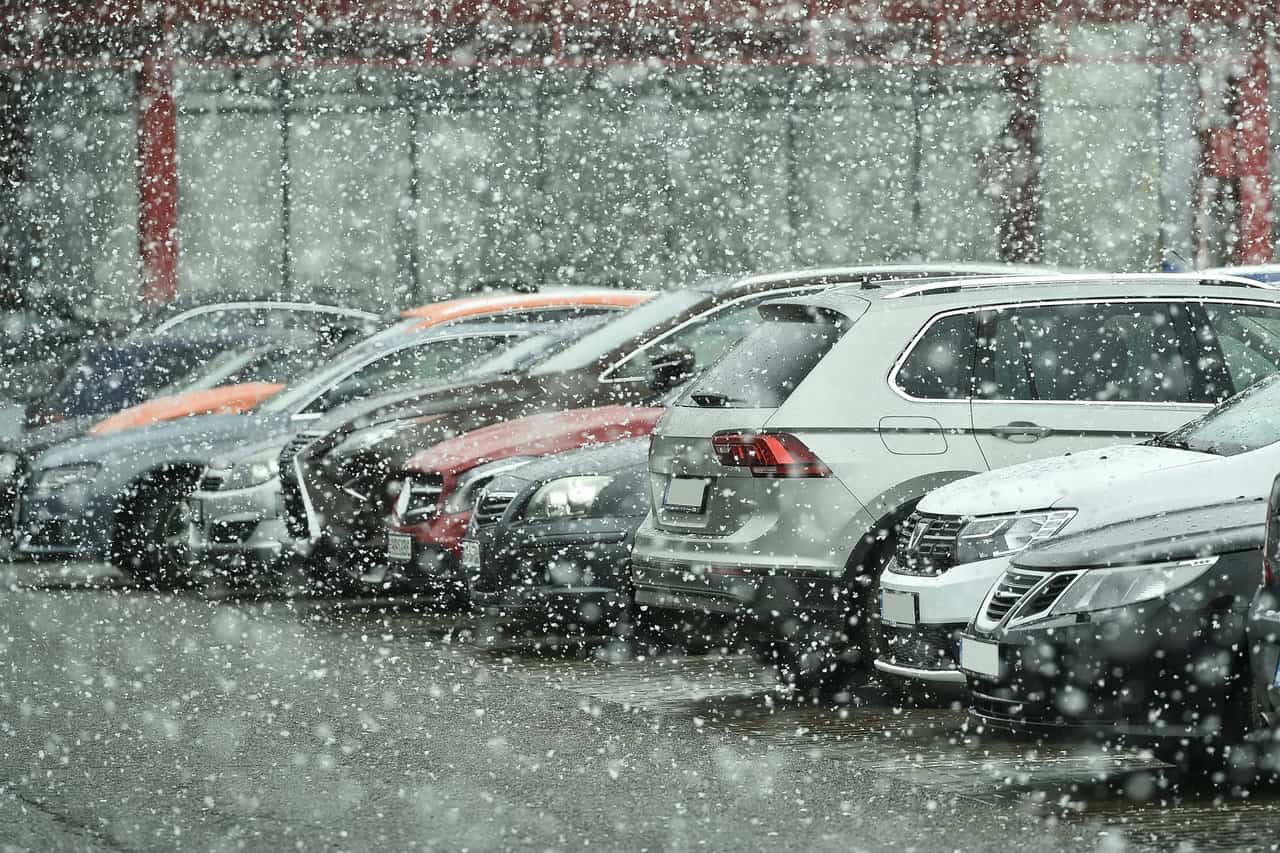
[{"x": 1021, "y": 431}]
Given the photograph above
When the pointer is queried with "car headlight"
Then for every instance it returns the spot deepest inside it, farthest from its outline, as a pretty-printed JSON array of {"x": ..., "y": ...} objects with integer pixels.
[
  {"x": 568, "y": 497},
  {"x": 52, "y": 480},
  {"x": 8, "y": 466},
  {"x": 1103, "y": 589},
  {"x": 468, "y": 486},
  {"x": 1001, "y": 535},
  {"x": 261, "y": 467}
]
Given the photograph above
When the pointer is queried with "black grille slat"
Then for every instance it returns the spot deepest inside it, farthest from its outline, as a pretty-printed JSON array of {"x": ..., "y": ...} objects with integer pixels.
[
  {"x": 934, "y": 550},
  {"x": 211, "y": 482},
  {"x": 1012, "y": 587},
  {"x": 1046, "y": 596},
  {"x": 492, "y": 506}
]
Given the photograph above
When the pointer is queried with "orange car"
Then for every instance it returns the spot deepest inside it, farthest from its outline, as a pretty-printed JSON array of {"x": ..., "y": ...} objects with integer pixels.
[{"x": 245, "y": 396}]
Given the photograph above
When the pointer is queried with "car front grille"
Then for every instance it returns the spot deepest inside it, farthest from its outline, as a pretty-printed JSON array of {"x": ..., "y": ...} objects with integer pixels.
[
  {"x": 231, "y": 532},
  {"x": 211, "y": 482},
  {"x": 933, "y": 647},
  {"x": 927, "y": 545},
  {"x": 423, "y": 501},
  {"x": 1009, "y": 592},
  {"x": 492, "y": 506}
]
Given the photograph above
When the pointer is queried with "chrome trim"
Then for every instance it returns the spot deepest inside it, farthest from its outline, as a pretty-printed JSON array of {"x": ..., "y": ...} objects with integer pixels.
[
  {"x": 313, "y": 521},
  {"x": 994, "y": 306},
  {"x": 939, "y": 676},
  {"x": 979, "y": 283}
]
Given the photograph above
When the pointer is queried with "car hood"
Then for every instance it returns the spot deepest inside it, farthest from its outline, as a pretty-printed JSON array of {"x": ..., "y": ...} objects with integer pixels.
[
  {"x": 1044, "y": 483},
  {"x": 1215, "y": 480},
  {"x": 612, "y": 458},
  {"x": 33, "y": 441},
  {"x": 1202, "y": 531},
  {"x": 193, "y": 438},
  {"x": 223, "y": 400},
  {"x": 536, "y": 435}
]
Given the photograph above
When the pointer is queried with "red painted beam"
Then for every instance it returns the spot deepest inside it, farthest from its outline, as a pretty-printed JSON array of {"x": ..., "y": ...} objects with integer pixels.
[
  {"x": 158, "y": 181},
  {"x": 1253, "y": 162}
]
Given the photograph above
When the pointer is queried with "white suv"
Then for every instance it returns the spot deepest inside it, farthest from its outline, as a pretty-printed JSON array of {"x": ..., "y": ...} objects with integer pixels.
[
  {"x": 961, "y": 537},
  {"x": 779, "y": 481}
]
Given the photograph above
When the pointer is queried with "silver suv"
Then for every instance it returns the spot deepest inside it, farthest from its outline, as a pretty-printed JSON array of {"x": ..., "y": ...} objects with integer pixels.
[{"x": 778, "y": 482}]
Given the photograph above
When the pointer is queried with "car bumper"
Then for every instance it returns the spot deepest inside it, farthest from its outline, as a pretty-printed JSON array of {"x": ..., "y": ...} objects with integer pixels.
[
  {"x": 560, "y": 572},
  {"x": 71, "y": 523},
  {"x": 950, "y": 598},
  {"x": 1134, "y": 675},
  {"x": 242, "y": 524},
  {"x": 927, "y": 653}
]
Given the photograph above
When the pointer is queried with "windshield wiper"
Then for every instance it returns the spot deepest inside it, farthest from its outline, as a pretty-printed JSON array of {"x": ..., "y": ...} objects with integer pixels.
[{"x": 1178, "y": 444}]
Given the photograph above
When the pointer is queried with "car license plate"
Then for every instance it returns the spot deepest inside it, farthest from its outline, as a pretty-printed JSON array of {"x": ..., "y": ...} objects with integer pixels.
[
  {"x": 980, "y": 657},
  {"x": 471, "y": 555},
  {"x": 399, "y": 547},
  {"x": 197, "y": 511},
  {"x": 686, "y": 494},
  {"x": 898, "y": 607}
]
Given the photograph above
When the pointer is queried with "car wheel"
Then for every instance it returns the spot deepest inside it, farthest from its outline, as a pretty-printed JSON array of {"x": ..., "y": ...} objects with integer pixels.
[{"x": 151, "y": 540}]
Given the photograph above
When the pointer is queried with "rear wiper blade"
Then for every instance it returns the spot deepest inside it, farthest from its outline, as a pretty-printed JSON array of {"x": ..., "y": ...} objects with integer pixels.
[{"x": 711, "y": 399}]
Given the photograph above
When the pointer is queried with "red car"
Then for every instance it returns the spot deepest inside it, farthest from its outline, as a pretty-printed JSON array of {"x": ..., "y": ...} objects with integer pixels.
[{"x": 439, "y": 486}]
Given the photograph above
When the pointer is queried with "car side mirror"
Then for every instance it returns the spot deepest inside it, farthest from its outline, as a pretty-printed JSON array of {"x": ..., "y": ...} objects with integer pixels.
[{"x": 671, "y": 364}]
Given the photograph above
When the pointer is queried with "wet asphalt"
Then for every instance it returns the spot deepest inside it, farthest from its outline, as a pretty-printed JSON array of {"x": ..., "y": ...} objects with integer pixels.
[{"x": 216, "y": 720}]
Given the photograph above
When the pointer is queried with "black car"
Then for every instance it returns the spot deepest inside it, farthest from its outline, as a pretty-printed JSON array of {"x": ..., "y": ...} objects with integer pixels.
[
  {"x": 549, "y": 544},
  {"x": 1132, "y": 633},
  {"x": 633, "y": 359},
  {"x": 1264, "y": 637}
]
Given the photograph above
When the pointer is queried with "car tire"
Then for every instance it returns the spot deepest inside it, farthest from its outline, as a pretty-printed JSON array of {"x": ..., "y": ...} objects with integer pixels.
[{"x": 148, "y": 545}]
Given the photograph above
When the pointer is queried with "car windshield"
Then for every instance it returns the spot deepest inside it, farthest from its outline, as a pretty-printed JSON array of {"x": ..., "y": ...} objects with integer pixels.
[
  {"x": 1249, "y": 420},
  {"x": 618, "y": 330}
]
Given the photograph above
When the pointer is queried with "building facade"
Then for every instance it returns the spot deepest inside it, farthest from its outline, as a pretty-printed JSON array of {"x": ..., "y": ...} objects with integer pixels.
[{"x": 381, "y": 153}]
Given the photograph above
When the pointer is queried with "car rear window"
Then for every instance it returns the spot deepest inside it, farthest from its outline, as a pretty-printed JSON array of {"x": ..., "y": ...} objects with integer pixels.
[{"x": 762, "y": 369}]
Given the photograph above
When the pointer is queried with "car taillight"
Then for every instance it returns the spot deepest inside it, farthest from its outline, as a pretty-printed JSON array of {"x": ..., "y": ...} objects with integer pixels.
[{"x": 768, "y": 454}]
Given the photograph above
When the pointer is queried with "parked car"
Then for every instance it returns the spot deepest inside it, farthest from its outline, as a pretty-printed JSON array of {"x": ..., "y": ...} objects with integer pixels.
[
  {"x": 237, "y": 505},
  {"x": 548, "y": 545},
  {"x": 422, "y": 547},
  {"x": 333, "y": 467},
  {"x": 1263, "y": 632},
  {"x": 1133, "y": 634},
  {"x": 257, "y": 363},
  {"x": 123, "y": 495},
  {"x": 779, "y": 481},
  {"x": 962, "y": 536}
]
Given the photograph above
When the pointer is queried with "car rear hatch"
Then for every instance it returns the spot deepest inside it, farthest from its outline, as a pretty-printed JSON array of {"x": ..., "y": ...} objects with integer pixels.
[{"x": 715, "y": 470}]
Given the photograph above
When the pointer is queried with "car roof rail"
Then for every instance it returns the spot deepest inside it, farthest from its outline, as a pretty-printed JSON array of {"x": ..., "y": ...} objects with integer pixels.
[{"x": 957, "y": 285}]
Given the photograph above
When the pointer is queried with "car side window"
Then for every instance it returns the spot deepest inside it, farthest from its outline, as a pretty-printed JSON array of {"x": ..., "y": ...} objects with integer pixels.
[
  {"x": 940, "y": 365},
  {"x": 1248, "y": 343},
  {"x": 1005, "y": 348},
  {"x": 1109, "y": 352}
]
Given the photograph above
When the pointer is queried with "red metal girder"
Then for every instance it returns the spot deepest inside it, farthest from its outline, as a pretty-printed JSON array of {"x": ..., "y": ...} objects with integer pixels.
[
  {"x": 1253, "y": 163},
  {"x": 157, "y": 181}
]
